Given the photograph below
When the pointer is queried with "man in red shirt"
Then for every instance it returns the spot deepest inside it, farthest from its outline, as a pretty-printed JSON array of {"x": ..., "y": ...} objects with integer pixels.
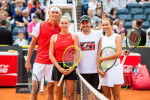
[{"x": 42, "y": 65}]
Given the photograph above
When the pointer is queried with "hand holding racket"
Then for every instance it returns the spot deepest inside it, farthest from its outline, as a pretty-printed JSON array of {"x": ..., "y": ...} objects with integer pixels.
[
  {"x": 107, "y": 64},
  {"x": 133, "y": 39},
  {"x": 71, "y": 58},
  {"x": 33, "y": 84}
]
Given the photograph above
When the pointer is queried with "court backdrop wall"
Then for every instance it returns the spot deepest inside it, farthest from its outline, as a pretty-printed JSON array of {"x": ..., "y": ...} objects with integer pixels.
[{"x": 22, "y": 74}]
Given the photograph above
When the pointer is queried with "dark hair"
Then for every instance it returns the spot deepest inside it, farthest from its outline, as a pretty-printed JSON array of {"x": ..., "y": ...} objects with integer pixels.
[
  {"x": 3, "y": 22},
  {"x": 99, "y": 8},
  {"x": 34, "y": 2},
  {"x": 104, "y": 13},
  {"x": 149, "y": 33},
  {"x": 139, "y": 22},
  {"x": 101, "y": 3},
  {"x": 20, "y": 33},
  {"x": 110, "y": 21},
  {"x": 112, "y": 10}
]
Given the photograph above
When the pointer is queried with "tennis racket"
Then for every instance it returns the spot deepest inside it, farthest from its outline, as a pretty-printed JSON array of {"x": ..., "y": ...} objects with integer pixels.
[
  {"x": 71, "y": 58},
  {"x": 107, "y": 64},
  {"x": 33, "y": 84},
  {"x": 133, "y": 39}
]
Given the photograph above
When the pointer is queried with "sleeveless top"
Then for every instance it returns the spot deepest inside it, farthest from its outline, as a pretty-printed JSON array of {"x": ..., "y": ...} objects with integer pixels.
[
  {"x": 114, "y": 75},
  {"x": 110, "y": 42},
  {"x": 62, "y": 42}
]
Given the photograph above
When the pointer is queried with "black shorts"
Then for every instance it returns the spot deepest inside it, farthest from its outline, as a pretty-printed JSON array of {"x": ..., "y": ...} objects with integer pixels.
[
  {"x": 92, "y": 79},
  {"x": 56, "y": 75}
]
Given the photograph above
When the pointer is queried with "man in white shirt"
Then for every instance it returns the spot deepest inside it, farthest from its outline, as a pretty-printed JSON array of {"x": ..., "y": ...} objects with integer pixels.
[
  {"x": 88, "y": 43},
  {"x": 108, "y": 5}
]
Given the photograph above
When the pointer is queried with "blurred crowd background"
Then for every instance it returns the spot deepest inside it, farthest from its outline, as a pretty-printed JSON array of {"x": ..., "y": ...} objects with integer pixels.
[{"x": 19, "y": 17}]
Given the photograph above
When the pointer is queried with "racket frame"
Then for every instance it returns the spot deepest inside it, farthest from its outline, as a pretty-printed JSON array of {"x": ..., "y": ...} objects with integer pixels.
[
  {"x": 124, "y": 58},
  {"x": 100, "y": 83},
  {"x": 127, "y": 40},
  {"x": 64, "y": 65},
  {"x": 113, "y": 63},
  {"x": 32, "y": 80}
]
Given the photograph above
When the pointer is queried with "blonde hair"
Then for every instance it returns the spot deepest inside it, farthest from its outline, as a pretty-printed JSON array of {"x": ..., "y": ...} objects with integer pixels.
[
  {"x": 64, "y": 17},
  {"x": 19, "y": 1},
  {"x": 5, "y": 13}
]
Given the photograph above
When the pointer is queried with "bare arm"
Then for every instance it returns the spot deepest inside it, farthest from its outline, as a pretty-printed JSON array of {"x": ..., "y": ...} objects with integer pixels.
[
  {"x": 51, "y": 54},
  {"x": 118, "y": 50},
  {"x": 99, "y": 51},
  {"x": 30, "y": 52},
  {"x": 102, "y": 74}
]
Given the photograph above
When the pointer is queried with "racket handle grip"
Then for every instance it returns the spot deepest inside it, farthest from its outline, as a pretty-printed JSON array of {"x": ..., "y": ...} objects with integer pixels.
[
  {"x": 124, "y": 58},
  {"x": 62, "y": 77},
  {"x": 100, "y": 84}
]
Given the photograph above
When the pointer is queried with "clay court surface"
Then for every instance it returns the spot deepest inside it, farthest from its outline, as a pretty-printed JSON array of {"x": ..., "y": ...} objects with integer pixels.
[{"x": 128, "y": 94}]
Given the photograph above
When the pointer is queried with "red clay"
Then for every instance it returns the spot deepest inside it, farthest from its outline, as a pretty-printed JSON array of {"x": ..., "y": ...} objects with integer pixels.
[{"x": 128, "y": 94}]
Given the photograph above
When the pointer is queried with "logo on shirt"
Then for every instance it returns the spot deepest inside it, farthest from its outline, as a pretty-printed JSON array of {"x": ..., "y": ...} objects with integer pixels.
[{"x": 86, "y": 46}]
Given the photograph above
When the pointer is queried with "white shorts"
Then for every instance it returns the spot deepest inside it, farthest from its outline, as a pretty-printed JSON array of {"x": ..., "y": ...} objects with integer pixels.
[{"x": 43, "y": 69}]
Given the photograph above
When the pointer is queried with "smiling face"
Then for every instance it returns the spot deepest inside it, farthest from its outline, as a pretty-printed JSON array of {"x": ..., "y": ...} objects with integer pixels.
[
  {"x": 85, "y": 25},
  {"x": 54, "y": 15},
  {"x": 121, "y": 25},
  {"x": 107, "y": 25},
  {"x": 64, "y": 24}
]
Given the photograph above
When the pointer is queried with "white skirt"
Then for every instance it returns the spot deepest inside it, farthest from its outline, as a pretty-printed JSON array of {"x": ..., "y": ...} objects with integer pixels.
[{"x": 114, "y": 76}]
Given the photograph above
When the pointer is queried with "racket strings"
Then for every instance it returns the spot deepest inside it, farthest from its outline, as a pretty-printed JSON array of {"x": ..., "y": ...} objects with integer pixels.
[
  {"x": 32, "y": 83},
  {"x": 108, "y": 51},
  {"x": 133, "y": 37},
  {"x": 71, "y": 57}
]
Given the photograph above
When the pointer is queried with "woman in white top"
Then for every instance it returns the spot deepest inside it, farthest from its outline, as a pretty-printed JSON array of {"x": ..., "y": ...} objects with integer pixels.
[{"x": 113, "y": 78}]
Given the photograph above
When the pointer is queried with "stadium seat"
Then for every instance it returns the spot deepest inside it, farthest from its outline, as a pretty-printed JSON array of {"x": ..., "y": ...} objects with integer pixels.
[
  {"x": 125, "y": 17},
  {"x": 147, "y": 12},
  {"x": 136, "y": 11},
  {"x": 14, "y": 38},
  {"x": 145, "y": 25},
  {"x": 128, "y": 25},
  {"x": 148, "y": 18},
  {"x": 133, "y": 5},
  {"x": 139, "y": 16},
  {"x": 145, "y": 5},
  {"x": 122, "y": 11},
  {"x": 138, "y": 0}
]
